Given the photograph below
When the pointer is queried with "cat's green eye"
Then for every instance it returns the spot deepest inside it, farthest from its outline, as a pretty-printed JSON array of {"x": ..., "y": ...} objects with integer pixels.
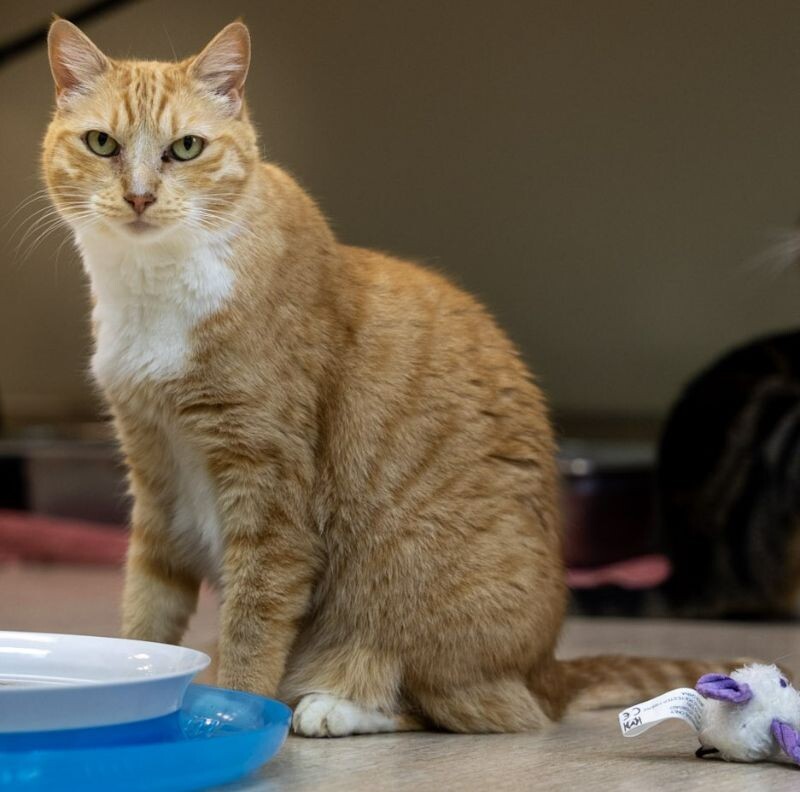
[
  {"x": 187, "y": 147},
  {"x": 101, "y": 143}
]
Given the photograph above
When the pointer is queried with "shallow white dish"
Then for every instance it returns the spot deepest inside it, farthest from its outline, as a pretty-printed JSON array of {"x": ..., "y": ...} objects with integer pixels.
[{"x": 50, "y": 681}]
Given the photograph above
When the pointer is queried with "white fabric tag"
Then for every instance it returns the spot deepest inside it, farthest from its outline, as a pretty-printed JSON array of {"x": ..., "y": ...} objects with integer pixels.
[{"x": 683, "y": 703}]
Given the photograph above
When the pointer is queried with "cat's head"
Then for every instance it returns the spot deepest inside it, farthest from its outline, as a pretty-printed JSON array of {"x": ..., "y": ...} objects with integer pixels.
[{"x": 144, "y": 150}]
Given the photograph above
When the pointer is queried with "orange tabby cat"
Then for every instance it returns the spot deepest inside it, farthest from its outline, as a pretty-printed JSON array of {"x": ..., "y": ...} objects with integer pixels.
[{"x": 345, "y": 443}]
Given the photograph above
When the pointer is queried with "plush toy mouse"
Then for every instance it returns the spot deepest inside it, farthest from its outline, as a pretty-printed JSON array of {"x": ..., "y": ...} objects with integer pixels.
[{"x": 750, "y": 715}]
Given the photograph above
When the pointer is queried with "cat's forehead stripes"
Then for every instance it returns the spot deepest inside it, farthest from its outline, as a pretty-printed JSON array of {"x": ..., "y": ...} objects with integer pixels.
[{"x": 147, "y": 94}]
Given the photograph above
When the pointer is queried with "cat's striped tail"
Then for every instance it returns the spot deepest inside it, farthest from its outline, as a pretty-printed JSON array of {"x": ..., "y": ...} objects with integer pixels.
[{"x": 619, "y": 680}]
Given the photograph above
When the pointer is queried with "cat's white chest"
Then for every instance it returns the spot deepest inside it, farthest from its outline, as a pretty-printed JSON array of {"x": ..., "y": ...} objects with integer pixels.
[
  {"x": 195, "y": 525},
  {"x": 148, "y": 302}
]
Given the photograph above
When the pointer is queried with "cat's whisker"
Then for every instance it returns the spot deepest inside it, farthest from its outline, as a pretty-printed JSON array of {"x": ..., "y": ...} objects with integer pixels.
[
  {"x": 41, "y": 234},
  {"x": 36, "y": 212},
  {"x": 784, "y": 657},
  {"x": 75, "y": 200},
  {"x": 204, "y": 216},
  {"x": 44, "y": 228},
  {"x": 35, "y": 222},
  {"x": 66, "y": 239},
  {"x": 47, "y": 208},
  {"x": 69, "y": 238},
  {"x": 243, "y": 229},
  {"x": 40, "y": 195},
  {"x": 780, "y": 257}
]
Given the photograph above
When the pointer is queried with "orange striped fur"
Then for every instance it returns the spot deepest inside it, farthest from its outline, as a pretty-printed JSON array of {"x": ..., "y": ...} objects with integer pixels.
[{"x": 346, "y": 443}]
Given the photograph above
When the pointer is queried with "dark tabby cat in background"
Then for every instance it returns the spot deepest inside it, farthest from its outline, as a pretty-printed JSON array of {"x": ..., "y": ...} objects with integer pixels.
[{"x": 729, "y": 485}]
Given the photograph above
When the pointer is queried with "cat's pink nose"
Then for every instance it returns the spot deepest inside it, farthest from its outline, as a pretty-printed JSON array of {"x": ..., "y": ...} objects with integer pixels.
[{"x": 141, "y": 201}]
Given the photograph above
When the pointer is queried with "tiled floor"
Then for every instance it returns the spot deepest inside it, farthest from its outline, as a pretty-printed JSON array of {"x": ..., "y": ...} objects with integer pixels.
[{"x": 584, "y": 752}]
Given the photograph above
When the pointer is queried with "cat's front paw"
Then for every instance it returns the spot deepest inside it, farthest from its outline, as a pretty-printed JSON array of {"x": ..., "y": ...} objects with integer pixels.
[{"x": 324, "y": 715}]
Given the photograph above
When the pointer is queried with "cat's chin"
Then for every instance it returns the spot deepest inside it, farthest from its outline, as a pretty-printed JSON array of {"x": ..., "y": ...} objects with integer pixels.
[
  {"x": 140, "y": 227},
  {"x": 141, "y": 231}
]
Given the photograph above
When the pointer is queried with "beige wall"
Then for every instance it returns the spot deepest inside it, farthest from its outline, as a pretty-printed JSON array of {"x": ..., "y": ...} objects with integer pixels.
[{"x": 603, "y": 173}]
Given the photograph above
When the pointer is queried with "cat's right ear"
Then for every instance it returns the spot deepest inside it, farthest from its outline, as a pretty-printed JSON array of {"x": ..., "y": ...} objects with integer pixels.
[
  {"x": 74, "y": 60},
  {"x": 222, "y": 66}
]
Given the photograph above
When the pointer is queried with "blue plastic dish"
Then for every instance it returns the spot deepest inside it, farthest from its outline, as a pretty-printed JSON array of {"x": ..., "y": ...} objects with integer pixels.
[{"x": 216, "y": 737}]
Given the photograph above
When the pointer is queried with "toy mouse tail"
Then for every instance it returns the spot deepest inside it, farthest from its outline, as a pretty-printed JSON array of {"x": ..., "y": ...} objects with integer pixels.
[{"x": 618, "y": 681}]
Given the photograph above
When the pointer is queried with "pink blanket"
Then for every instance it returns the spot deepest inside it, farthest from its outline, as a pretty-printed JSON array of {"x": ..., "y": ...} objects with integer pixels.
[{"x": 35, "y": 537}]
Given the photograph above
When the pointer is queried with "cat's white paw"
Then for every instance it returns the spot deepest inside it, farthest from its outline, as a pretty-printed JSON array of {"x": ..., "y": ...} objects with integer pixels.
[{"x": 323, "y": 715}]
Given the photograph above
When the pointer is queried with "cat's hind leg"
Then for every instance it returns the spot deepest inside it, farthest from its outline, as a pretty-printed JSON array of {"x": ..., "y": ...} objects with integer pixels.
[
  {"x": 344, "y": 690},
  {"x": 485, "y": 705}
]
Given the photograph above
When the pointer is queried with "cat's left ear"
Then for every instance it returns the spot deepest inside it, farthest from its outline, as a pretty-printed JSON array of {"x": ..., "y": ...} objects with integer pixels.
[
  {"x": 74, "y": 60},
  {"x": 222, "y": 66}
]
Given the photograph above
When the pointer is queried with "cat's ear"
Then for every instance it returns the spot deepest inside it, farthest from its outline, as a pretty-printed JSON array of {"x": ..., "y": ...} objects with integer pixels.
[
  {"x": 222, "y": 66},
  {"x": 74, "y": 60}
]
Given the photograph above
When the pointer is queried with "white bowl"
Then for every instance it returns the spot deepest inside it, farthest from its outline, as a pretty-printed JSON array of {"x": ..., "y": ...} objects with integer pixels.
[{"x": 50, "y": 681}]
